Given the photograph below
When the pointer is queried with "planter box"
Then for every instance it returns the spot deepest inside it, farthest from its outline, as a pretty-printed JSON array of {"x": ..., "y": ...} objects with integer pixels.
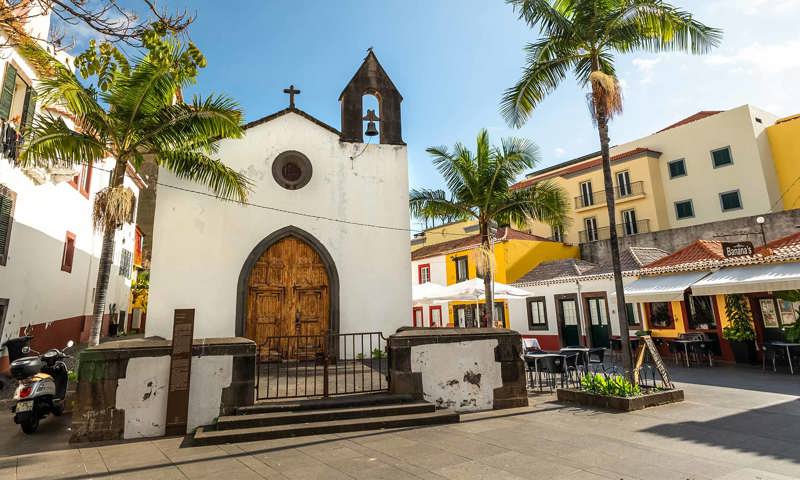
[{"x": 626, "y": 404}]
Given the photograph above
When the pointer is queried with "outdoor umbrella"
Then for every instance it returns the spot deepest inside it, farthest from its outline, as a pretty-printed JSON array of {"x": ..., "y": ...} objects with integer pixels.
[
  {"x": 425, "y": 292},
  {"x": 474, "y": 290}
]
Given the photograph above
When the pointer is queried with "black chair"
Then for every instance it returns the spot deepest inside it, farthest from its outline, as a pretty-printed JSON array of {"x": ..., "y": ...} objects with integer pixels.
[
  {"x": 771, "y": 354},
  {"x": 596, "y": 358},
  {"x": 571, "y": 369},
  {"x": 676, "y": 350},
  {"x": 552, "y": 366},
  {"x": 702, "y": 350}
]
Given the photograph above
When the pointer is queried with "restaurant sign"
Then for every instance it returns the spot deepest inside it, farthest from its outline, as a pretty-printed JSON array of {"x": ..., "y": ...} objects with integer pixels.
[{"x": 737, "y": 249}]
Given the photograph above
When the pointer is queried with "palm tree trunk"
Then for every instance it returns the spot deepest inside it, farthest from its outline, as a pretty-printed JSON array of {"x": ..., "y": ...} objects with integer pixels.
[
  {"x": 622, "y": 314},
  {"x": 488, "y": 281},
  {"x": 106, "y": 260}
]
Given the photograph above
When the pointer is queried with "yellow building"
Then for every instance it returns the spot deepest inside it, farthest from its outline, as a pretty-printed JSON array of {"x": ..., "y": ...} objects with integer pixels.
[
  {"x": 458, "y": 259},
  {"x": 444, "y": 233},
  {"x": 784, "y": 140},
  {"x": 688, "y": 173}
]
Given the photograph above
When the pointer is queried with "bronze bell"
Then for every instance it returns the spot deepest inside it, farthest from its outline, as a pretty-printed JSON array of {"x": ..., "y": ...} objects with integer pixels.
[{"x": 372, "y": 129}]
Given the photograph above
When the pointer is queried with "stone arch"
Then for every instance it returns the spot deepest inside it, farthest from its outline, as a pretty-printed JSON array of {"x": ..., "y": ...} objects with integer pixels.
[{"x": 263, "y": 246}]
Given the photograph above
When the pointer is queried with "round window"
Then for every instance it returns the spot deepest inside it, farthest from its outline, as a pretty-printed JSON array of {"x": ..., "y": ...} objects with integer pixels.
[{"x": 292, "y": 170}]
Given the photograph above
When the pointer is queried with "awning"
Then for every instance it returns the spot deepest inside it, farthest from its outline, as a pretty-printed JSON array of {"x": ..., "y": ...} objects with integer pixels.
[
  {"x": 757, "y": 278},
  {"x": 663, "y": 288}
]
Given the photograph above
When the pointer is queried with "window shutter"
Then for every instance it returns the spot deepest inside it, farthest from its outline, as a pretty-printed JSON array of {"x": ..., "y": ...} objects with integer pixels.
[
  {"x": 7, "y": 93},
  {"x": 6, "y": 204},
  {"x": 29, "y": 108}
]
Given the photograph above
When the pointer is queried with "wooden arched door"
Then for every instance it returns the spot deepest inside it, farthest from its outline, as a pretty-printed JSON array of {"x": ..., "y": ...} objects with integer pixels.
[{"x": 288, "y": 295}]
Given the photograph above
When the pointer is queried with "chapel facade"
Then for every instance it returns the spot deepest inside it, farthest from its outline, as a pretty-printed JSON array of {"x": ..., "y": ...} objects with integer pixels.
[{"x": 321, "y": 245}]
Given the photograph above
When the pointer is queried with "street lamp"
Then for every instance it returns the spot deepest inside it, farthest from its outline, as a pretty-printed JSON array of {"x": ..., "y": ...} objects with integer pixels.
[{"x": 760, "y": 220}]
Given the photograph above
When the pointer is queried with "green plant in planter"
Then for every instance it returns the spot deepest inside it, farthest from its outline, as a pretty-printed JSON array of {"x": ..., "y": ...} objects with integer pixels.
[
  {"x": 792, "y": 332},
  {"x": 740, "y": 328},
  {"x": 613, "y": 385},
  {"x": 72, "y": 376}
]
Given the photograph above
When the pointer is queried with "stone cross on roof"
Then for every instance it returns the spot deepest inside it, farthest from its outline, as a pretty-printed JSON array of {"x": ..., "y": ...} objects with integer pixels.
[{"x": 292, "y": 92}]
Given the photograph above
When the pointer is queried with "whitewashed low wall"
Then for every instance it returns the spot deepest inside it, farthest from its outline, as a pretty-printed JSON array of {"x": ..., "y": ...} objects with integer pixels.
[{"x": 461, "y": 376}]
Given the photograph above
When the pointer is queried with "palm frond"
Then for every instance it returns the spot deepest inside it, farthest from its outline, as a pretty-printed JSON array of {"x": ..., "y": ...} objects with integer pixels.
[
  {"x": 52, "y": 142},
  {"x": 543, "y": 202},
  {"x": 194, "y": 165},
  {"x": 426, "y": 204}
]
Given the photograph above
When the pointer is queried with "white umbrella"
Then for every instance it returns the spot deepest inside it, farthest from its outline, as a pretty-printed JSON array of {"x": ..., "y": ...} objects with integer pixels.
[
  {"x": 425, "y": 292},
  {"x": 474, "y": 289}
]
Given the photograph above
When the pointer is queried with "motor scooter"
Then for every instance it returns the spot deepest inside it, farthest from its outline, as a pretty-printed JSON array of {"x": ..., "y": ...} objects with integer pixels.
[{"x": 42, "y": 386}]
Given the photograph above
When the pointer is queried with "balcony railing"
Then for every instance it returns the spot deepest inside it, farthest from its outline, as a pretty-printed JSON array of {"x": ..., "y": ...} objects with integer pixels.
[
  {"x": 599, "y": 197},
  {"x": 623, "y": 229}
]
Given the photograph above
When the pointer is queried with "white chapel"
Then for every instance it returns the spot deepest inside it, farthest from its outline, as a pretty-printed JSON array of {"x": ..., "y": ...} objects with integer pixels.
[{"x": 322, "y": 245}]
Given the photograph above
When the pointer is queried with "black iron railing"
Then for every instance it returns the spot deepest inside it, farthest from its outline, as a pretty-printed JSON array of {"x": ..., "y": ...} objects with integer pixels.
[
  {"x": 322, "y": 365},
  {"x": 598, "y": 197},
  {"x": 631, "y": 189},
  {"x": 623, "y": 229}
]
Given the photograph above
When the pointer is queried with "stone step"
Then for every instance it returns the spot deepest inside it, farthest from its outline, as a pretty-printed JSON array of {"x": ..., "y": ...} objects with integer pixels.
[
  {"x": 345, "y": 401},
  {"x": 309, "y": 416},
  {"x": 216, "y": 437}
]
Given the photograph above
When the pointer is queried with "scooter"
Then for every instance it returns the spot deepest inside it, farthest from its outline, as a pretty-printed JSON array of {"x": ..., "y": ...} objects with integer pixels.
[{"x": 42, "y": 386}]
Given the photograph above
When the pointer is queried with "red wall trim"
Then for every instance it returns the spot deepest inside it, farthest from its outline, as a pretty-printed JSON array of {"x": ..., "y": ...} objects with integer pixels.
[
  {"x": 430, "y": 315},
  {"x": 419, "y": 272},
  {"x": 414, "y": 317}
]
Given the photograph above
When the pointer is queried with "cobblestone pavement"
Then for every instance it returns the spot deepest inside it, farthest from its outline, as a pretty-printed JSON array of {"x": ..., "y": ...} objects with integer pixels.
[{"x": 736, "y": 424}]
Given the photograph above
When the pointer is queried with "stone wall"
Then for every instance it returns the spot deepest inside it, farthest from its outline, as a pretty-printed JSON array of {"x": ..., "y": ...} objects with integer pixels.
[
  {"x": 123, "y": 386},
  {"x": 777, "y": 225},
  {"x": 467, "y": 369}
]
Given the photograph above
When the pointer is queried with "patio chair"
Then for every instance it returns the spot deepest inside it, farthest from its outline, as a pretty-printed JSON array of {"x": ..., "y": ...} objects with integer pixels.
[
  {"x": 531, "y": 345},
  {"x": 571, "y": 369},
  {"x": 596, "y": 358},
  {"x": 676, "y": 350},
  {"x": 552, "y": 366},
  {"x": 771, "y": 354},
  {"x": 702, "y": 350}
]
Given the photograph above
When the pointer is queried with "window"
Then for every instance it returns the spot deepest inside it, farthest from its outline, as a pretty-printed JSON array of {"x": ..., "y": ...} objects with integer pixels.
[
  {"x": 624, "y": 184},
  {"x": 788, "y": 312},
  {"x": 462, "y": 269},
  {"x": 7, "y": 200},
  {"x": 292, "y": 170},
  {"x": 701, "y": 313},
  {"x": 730, "y": 200},
  {"x": 83, "y": 181},
  {"x": 417, "y": 317},
  {"x": 424, "y": 273},
  {"x": 586, "y": 194},
  {"x": 138, "y": 242},
  {"x": 597, "y": 311},
  {"x": 435, "y": 313},
  {"x": 684, "y": 209},
  {"x": 721, "y": 157},
  {"x": 464, "y": 316},
  {"x": 125, "y": 257},
  {"x": 537, "y": 313},
  {"x": 557, "y": 233},
  {"x": 69, "y": 252},
  {"x": 17, "y": 99},
  {"x": 629, "y": 224},
  {"x": 3, "y": 310},
  {"x": 499, "y": 316},
  {"x": 660, "y": 315},
  {"x": 591, "y": 229},
  {"x": 677, "y": 168},
  {"x": 630, "y": 312}
]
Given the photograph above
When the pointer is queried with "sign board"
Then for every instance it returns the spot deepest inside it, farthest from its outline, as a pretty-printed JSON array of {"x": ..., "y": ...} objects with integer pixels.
[
  {"x": 647, "y": 345},
  {"x": 737, "y": 249},
  {"x": 180, "y": 369}
]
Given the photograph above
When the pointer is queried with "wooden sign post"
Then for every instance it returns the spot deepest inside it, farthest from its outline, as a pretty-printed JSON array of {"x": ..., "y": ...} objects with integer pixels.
[
  {"x": 180, "y": 369},
  {"x": 648, "y": 346}
]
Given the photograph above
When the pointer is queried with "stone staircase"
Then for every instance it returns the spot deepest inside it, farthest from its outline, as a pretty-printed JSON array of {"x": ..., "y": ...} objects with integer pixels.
[{"x": 265, "y": 421}]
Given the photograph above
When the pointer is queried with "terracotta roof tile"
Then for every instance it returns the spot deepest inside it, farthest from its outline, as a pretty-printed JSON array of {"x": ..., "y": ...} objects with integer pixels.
[
  {"x": 503, "y": 234},
  {"x": 585, "y": 165},
  {"x": 632, "y": 259},
  {"x": 698, "y": 251},
  {"x": 566, "y": 268},
  {"x": 692, "y": 118}
]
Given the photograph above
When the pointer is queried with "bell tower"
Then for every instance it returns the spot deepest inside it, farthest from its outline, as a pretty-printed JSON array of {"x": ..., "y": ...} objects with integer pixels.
[{"x": 371, "y": 79}]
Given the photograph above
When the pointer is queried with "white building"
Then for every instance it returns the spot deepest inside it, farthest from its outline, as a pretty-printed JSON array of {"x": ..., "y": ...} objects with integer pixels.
[
  {"x": 322, "y": 245},
  {"x": 48, "y": 250},
  {"x": 572, "y": 302}
]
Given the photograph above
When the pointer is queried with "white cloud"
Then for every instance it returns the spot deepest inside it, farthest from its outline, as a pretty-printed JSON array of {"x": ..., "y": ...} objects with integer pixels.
[
  {"x": 645, "y": 66},
  {"x": 559, "y": 152},
  {"x": 761, "y": 59}
]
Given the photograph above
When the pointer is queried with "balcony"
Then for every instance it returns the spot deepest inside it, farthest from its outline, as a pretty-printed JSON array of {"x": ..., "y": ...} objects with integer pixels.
[
  {"x": 623, "y": 230},
  {"x": 621, "y": 192}
]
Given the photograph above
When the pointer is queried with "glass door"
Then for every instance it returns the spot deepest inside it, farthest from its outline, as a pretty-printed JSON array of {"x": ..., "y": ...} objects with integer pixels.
[
  {"x": 570, "y": 331},
  {"x": 598, "y": 322}
]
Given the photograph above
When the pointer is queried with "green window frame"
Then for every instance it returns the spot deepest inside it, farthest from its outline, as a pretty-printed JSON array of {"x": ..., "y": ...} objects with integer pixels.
[
  {"x": 677, "y": 168},
  {"x": 7, "y": 201},
  {"x": 722, "y": 157},
  {"x": 7, "y": 91},
  {"x": 684, "y": 209}
]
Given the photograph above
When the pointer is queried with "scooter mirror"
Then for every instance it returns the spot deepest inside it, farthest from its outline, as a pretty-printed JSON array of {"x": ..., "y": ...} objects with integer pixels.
[{"x": 70, "y": 344}]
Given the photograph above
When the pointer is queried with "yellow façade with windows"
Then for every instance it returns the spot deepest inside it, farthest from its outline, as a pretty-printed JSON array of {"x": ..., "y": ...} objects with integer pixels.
[{"x": 784, "y": 141}]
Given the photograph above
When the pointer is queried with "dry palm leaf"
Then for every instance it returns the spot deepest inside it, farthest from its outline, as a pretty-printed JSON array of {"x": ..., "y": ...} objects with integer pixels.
[
  {"x": 113, "y": 206},
  {"x": 606, "y": 92}
]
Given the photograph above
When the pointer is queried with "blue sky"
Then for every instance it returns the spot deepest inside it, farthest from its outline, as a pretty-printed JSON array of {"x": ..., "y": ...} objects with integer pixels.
[{"x": 452, "y": 59}]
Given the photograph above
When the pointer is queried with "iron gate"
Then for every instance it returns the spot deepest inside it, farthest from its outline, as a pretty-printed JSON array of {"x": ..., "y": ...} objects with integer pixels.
[{"x": 292, "y": 366}]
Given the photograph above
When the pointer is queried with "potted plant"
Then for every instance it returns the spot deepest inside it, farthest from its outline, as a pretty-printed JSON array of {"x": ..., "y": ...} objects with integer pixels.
[{"x": 739, "y": 333}]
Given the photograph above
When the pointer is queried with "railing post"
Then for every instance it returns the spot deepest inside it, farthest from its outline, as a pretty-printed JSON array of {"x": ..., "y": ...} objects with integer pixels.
[{"x": 325, "y": 363}]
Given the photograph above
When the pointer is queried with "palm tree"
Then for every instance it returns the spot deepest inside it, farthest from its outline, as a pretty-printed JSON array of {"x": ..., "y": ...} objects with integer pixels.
[
  {"x": 582, "y": 37},
  {"x": 479, "y": 185},
  {"x": 133, "y": 117}
]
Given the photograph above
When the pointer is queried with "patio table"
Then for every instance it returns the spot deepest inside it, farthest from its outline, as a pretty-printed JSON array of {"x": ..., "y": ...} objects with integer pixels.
[
  {"x": 686, "y": 342},
  {"x": 585, "y": 351},
  {"x": 788, "y": 346},
  {"x": 536, "y": 357}
]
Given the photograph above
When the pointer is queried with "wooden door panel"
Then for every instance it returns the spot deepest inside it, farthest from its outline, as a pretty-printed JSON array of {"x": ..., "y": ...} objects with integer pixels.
[{"x": 288, "y": 295}]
